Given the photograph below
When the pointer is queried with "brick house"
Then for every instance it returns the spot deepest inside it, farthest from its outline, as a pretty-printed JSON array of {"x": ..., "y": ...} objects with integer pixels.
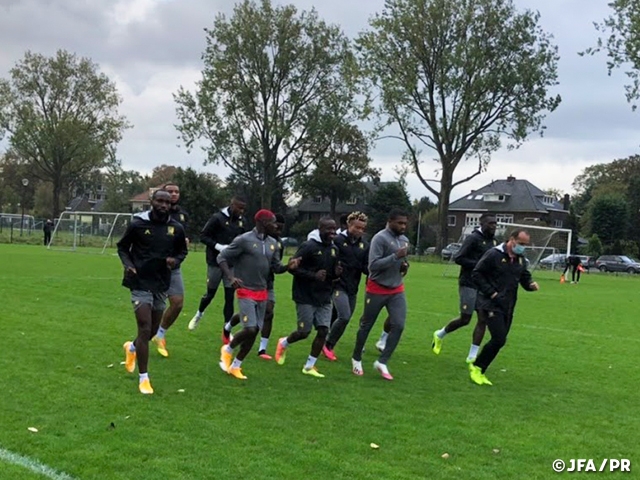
[{"x": 512, "y": 201}]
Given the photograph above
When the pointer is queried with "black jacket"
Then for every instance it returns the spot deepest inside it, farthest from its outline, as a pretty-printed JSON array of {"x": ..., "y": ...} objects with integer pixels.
[
  {"x": 145, "y": 245},
  {"x": 472, "y": 249},
  {"x": 314, "y": 256},
  {"x": 354, "y": 258},
  {"x": 181, "y": 216},
  {"x": 497, "y": 272},
  {"x": 280, "y": 253},
  {"x": 221, "y": 229}
]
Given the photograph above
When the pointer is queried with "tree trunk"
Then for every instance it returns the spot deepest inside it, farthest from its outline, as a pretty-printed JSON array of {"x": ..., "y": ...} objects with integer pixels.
[
  {"x": 57, "y": 190},
  {"x": 334, "y": 202},
  {"x": 443, "y": 211}
]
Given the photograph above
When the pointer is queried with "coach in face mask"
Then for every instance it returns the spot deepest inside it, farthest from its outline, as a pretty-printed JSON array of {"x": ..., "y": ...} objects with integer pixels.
[{"x": 497, "y": 276}]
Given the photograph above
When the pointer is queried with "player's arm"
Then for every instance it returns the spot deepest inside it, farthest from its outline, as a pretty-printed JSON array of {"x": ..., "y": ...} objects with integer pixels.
[
  {"x": 527, "y": 281},
  {"x": 303, "y": 254},
  {"x": 124, "y": 248},
  {"x": 462, "y": 258},
  {"x": 379, "y": 259},
  {"x": 233, "y": 251},
  {"x": 209, "y": 231},
  {"x": 180, "y": 249},
  {"x": 481, "y": 274}
]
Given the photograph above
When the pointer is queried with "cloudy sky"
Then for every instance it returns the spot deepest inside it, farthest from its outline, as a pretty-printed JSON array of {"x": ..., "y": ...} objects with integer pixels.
[{"x": 152, "y": 47}]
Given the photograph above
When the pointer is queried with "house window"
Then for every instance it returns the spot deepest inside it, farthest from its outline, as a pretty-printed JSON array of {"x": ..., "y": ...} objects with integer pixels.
[
  {"x": 548, "y": 200},
  {"x": 451, "y": 221},
  {"x": 317, "y": 199},
  {"x": 530, "y": 219},
  {"x": 504, "y": 218},
  {"x": 352, "y": 201},
  {"x": 479, "y": 197},
  {"x": 472, "y": 219},
  {"x": 494, "y": 197},
  {"x": 557, "y": 223}
]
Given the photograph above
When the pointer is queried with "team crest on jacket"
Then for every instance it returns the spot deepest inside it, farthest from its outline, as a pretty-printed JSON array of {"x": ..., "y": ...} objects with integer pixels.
[
  {"x": 272, "y": 247},
  {"x": 171, "y": 230},
  {"x": 147, "y": 232},
  {"x": 181, "y": 217},
  {"x": 333, "y": 252},
  {"x": 239, "y": 223},
  {"x": 361, "y": 245}
]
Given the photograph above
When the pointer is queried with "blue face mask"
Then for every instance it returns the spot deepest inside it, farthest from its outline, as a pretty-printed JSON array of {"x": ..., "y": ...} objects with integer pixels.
[{"x": 518, "y": 249}]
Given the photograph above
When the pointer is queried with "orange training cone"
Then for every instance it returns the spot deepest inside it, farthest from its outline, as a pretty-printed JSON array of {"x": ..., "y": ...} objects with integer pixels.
[{"x": 562, "y": 279}]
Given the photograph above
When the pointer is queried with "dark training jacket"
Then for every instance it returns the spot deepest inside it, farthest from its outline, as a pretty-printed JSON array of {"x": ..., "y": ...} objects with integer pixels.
[
  {"x": 181, "y": 216},
  {"x": 497, "y": 272},
  {"x": 472, "y": 249},
  {"x": 222, "y": 229},
  {"x": 146, "y": 245},
  {"x": 354, "y": 258},
  {"x": 314, "y": 256}
]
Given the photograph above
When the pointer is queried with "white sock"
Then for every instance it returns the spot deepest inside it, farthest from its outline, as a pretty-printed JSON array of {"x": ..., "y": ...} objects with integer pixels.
[
  {"x": 161, "y": 332},
  {"x": 441, "y": 333},
  {"x": 143, "y": 377},
  {"x": 473, "y": 351},
  {"x": 284, "y": 343},
  {"x": 199, "y": 314},
  {"x": 383, "y": 337},
  {"x": 236, "y": 363},
  {"x": 264, "y": 342},
  {"x": 227, "y": 327},
  {"x": 311, "y": 362},
  {"x": 228, "y": 349},
  {"x": 132, "y": 347}
]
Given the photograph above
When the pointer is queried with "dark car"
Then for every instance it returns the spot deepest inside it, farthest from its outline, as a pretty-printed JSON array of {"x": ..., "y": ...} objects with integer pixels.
[
  {"x": 587, "y": 261},
  {"x": 450, "y": 250},
  {"x": 617, "y": 263}
]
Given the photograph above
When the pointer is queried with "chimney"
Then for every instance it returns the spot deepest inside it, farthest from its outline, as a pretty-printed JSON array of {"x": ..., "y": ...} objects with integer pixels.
[
  {"x": 566, "y": 202},
  {"x": 510, "y": 178}
]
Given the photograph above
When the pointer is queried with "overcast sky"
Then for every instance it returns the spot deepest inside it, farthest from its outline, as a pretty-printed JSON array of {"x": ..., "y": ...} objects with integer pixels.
[{"x": 151, "y": 47}]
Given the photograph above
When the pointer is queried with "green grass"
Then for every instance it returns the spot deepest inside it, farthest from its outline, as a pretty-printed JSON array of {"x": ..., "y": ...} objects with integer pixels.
[{"x": 564, "y": 387}]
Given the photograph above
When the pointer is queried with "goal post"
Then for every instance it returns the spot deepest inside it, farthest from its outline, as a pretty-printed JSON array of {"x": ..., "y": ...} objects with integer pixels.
[
  {"x": 89, "y": 232},
  {"x": 545, "y": 241}
]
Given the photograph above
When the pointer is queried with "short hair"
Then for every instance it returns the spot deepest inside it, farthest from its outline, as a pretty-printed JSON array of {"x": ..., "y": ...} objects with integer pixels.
[
  {"x": 353, "y": 216},
  {"x": 516, "y": 233},
  {"x": 486, "y": 215},
  {"x": 239, "y": 198},
  {"x": 325, "y": 219},
  {"x": 172, "y": 184},
  {"x": 280, "y": 218},
  {"x": 155, "y": 193},
  {"x": 397, "y": 212}
]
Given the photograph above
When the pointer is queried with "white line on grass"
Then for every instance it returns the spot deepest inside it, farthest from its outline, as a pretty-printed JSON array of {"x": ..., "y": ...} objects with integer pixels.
[{"x": 33, "y": 465}]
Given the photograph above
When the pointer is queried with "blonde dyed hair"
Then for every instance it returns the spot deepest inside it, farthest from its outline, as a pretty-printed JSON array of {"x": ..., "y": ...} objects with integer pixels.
[{"x": 357, "y": 216}]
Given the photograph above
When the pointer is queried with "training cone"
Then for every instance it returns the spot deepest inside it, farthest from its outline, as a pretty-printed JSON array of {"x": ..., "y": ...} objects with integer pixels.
[
  {"x": 562, "y": 279},
  {"x": 581, "y": 268}
]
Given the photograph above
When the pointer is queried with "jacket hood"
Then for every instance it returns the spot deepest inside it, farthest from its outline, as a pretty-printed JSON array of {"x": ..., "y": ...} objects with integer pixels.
[{"x": 314, "y": 235}]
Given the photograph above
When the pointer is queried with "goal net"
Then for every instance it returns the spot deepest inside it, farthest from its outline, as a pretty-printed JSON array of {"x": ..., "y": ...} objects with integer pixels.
[
  {"x": 88, "y": 232},
  {"x": 548, "y": 248}
]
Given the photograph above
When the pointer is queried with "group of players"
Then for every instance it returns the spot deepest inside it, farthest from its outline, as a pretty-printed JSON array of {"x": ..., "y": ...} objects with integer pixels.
[{"x": 327, "y": 270}]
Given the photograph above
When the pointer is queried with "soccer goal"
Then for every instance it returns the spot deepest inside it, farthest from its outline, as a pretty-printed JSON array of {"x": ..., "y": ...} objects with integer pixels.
[
  {"x": 549, "y": 246},
  {"x": 88, "y": 232}
]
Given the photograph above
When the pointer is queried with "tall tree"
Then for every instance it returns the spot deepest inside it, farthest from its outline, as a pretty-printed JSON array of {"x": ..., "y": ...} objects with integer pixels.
[
  {"x": 389, "y": 195},
  {"x": 457, "y": 78},
  {"x": 201, "y": 194},
  {"x": 338, "y": 172},
  {"x": 276, "y": 83},
  {"x": 620, "y": 41},
  {"x": 121, "y": 185},
  {"x": 61, "y": 114},
  {"x": 161, "y": 175},
  {"x": 609, "y": 218}
]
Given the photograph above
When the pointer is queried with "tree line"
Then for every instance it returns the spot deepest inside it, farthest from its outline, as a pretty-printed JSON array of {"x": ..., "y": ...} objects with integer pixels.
[{"x": 288, "y": 102}]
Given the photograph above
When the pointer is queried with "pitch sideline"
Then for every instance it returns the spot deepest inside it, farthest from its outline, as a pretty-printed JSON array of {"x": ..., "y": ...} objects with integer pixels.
[{"x": 33, "y": 465}]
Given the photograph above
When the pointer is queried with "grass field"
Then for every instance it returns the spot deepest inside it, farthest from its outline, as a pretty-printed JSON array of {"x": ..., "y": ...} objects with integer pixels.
[{"x": 564, "y": 387}]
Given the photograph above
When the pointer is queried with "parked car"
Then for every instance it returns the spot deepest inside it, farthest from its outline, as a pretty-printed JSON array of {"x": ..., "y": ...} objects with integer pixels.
[
  {"x": 553, "y": 261},
  {"x": 450, "y": 250},
  {"x": 617, "y": 263},
  {"x": 588, "y": 262},
  {"x": 289, "y": 242}
]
